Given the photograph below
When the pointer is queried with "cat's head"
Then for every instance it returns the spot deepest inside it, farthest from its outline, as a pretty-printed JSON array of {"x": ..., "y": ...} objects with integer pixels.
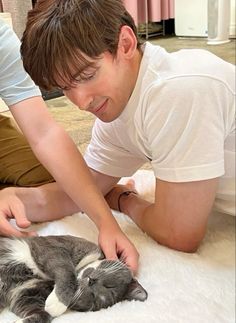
[{"x": 103, "y": 283}]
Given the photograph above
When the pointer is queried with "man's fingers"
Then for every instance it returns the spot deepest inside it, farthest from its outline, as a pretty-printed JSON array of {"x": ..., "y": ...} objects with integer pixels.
[
  {"x": 31, "y": 233},
  {"x": 130, "y": 260},
  {"x": 109, "y": 251},
  {"x": 6, "y": 229},
  {"x": 132, "y": 263},
  {"x": 22, "y": 222},
  {"x": 130, "y": 257},
  {"x": 12, "y": 208},
  {"x": 110, "y": 254},
  {"x": 18, "y": 212}
]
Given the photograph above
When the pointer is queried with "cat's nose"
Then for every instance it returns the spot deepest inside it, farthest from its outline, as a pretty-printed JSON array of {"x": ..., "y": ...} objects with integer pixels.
[{"x": 91, "y": 281}]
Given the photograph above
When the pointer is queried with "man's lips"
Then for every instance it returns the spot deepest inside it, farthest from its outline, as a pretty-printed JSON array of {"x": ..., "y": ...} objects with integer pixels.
[{"x": 98, "y": 108}]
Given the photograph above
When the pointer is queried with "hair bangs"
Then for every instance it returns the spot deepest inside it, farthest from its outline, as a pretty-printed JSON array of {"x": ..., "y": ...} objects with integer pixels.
[
  {"x": 64, "y": 70},
  {"x": 68, "y": 59}
]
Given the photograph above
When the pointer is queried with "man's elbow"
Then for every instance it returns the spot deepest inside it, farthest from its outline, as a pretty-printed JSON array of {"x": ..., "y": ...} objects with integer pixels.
[
  {"x": 184, "y": 242},
  {"x": 187, "y": 246}
]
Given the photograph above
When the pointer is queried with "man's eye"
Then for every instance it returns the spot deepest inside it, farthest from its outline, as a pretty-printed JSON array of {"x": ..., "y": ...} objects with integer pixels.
[
  {"x": 89, "y": 77},
  {"x": 65, "y": 88},
  {"x": 85, "y": 77}
]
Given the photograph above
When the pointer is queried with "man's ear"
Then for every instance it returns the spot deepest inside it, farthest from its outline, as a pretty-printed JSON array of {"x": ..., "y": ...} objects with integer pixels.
[
  {"x": 127, "y": 42},
  {"x": 135, "y": 292}
]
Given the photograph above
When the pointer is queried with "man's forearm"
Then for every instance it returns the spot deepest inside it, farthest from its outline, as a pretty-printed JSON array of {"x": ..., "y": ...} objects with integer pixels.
[{"x": 45, "y": 203}]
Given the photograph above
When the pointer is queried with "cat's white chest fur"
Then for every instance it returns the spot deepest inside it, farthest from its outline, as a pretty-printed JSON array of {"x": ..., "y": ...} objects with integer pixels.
[{"x": 20, "y": 253}]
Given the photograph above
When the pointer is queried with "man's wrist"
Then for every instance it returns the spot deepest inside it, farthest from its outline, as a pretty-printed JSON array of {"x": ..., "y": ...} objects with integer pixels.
[
  {"x": 107, "y": 222},
  {"x": 123, "y": 194}
]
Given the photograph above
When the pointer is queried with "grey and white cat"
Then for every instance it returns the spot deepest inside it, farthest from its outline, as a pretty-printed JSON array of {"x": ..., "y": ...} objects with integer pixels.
[{"x": 40, "y": 277}]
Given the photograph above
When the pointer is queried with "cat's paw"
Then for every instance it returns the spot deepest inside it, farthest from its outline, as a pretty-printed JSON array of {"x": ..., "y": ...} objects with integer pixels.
[{"x": 53, "y": 306}]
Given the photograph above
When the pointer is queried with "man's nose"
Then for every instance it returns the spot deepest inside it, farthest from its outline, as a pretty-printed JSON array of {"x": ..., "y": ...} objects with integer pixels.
[{"x": 81, "y": 98}]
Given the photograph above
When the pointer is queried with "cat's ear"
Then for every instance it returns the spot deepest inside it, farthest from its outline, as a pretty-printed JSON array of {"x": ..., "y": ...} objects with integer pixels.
[{"x": 136, "y": 292}]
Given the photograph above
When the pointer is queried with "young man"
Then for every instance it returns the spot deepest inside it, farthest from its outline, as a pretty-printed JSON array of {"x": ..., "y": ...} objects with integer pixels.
[
  {"x": 53, "y": 147},
  {"x": 174, "y": 110}
]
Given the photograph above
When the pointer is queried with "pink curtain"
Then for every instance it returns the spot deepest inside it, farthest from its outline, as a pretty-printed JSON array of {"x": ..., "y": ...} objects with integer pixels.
[{"x": 150, "y": 10}]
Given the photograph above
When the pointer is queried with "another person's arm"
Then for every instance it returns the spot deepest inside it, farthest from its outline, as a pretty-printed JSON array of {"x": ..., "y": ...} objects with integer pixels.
[{"x": 57, "y": 152}]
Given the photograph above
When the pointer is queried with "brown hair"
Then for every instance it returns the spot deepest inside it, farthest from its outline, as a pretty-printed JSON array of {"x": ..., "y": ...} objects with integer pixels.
[{"x": 63, "y": 36}]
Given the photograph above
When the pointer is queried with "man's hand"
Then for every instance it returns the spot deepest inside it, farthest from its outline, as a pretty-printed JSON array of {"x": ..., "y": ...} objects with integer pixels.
[
  {"x": 115, "y": 244},
  {"x": 11, "y": 207}
]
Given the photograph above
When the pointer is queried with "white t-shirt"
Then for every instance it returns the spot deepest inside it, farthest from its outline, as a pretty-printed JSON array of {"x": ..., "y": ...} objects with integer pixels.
[
  {"x": 181, "y": 117},
  {"x": 15, "y": 83}
]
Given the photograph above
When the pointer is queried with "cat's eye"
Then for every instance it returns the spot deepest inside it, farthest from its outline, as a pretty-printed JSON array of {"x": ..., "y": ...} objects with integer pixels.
[{"x": 110, "y": 285}]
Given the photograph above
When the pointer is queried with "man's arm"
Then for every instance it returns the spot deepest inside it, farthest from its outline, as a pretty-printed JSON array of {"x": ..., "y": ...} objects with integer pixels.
[
  {"x": 178, "y": 218},
  {"x": 43, "y": 203},
  {"x": 12, "y": 207},
  {"x": 57, "y": 152}
]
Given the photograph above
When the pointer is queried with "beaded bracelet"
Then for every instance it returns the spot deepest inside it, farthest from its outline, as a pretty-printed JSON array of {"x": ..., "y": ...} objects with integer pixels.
[{"x": 126, "y": 193}]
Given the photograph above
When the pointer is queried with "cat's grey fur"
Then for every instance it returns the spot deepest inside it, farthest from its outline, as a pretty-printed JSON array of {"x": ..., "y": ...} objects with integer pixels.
[{"x": 40, "y": 277}]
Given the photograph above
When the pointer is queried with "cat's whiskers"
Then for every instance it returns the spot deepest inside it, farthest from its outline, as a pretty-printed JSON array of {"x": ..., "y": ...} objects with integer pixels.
[
  {"x": 77, "y": 295},
  {"x": 23, "y": 318},
  {"x": 117, "y": 265},
  {"x": 122, "y": 260},
  {"x": 109, "y": 269}
]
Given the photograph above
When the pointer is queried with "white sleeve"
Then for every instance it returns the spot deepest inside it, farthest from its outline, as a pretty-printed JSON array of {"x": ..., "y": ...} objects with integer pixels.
[
  {"x": 106, "y": 155},
  {"x": 186, "y": 125},
  {"x": 15, "y": 83}
]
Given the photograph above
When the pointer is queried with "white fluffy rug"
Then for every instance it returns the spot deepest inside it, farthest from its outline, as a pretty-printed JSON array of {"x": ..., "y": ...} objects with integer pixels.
[{"x": 183, "y": 288}]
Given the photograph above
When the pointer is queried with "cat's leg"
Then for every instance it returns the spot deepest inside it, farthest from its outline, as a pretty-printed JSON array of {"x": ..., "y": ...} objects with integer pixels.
[
  {"x": 2, "y": 302},
  {"x": 3, "y": 292},
  {"x": 28, "y": 301},
  {"x": 64, "y": 290},
  {"x": 17, "y": 273},
  {"x": 41, "y": 317},
  {"x": 1, "y": 307}
]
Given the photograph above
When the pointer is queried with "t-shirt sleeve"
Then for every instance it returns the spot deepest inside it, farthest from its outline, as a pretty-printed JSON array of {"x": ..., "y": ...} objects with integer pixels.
[
  {"x": 106, "y": 155},
  {"x": 186, "y": 127},
  {"x": 15, "y": 84}
]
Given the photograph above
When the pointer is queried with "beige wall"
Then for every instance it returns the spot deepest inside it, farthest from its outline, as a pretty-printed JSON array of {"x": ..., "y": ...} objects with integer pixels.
[
  {"x": 18, "y": 10},
  {"x": 232, "y": 27}
]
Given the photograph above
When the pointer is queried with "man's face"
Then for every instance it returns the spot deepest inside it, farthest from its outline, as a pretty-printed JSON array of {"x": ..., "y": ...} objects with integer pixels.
[{"x": 105, "y": 89}]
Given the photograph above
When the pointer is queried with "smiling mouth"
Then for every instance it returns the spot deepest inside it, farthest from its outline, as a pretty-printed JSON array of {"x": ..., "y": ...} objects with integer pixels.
[{"x": 100, "y": 106}]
